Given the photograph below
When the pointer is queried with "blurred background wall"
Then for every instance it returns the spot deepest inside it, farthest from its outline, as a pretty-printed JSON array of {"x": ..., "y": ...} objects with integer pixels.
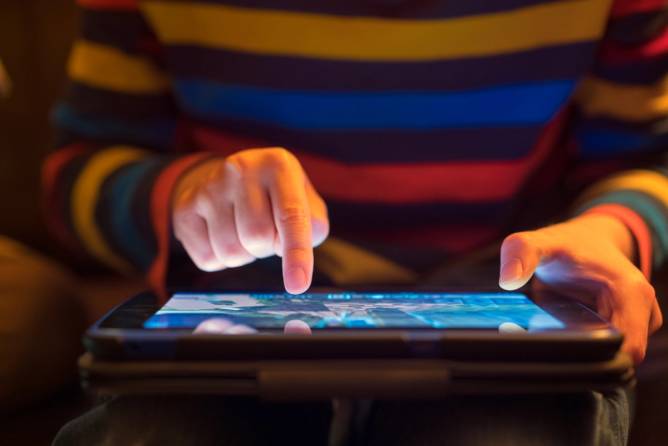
[{"x": 35, "y": 36}]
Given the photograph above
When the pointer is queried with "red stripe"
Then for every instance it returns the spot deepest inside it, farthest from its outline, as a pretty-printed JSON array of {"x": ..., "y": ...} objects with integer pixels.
[
  {"x": 626, "y": 7},
  {"x": 109, "y": 4},
  {"x": 161, "y": 203},
  {"x": 615, "y": 53},
  {"x": 452, "y": 239},
  {"x": 638, "y": 228},
  {"x": 52, "y": 194},
  {"x": 404, "y": 183},
  {"x": 55, "y": 163}
]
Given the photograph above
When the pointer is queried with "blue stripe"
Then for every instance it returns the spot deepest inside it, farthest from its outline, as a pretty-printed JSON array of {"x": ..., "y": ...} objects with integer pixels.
[
  {"x": 652, "y": 211},
  {"x": 154, "y": 133},
  {"x": 596, "y": 143},
  {"x": 511, "y": 105},
  {"x": 121, "y": 191}
]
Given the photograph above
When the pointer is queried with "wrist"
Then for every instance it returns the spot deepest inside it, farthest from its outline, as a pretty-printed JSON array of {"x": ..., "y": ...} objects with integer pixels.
[
  {"x": 640, "y": 249},
  {"x": 613, "y": 228}
]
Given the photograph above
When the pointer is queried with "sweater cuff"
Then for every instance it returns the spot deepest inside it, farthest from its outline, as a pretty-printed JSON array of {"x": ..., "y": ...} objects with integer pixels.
[{"x": 161, "y": 205}]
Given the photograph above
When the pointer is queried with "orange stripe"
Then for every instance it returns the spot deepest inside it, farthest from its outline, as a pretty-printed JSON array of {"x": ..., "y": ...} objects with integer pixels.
[
  {"x": 638, "y": 228},
  {"x": 109, "y": 4},
  {"x": 405, "y": 183},
  {"x": 161, "y": 203}
]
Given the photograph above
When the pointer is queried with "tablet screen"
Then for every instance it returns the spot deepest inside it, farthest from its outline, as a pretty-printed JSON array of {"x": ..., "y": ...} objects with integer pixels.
[{"x": 357, "y": 310}]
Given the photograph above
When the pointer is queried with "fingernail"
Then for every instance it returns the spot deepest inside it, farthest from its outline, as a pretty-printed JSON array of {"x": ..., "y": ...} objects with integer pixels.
[
  {"x": 296, "y": 326},
  {"x": 240, "y": 329},
  {"x": 295, "y": 280},
  {"x": 213, "y": 326},
  {"x": 511, "y": 272}
]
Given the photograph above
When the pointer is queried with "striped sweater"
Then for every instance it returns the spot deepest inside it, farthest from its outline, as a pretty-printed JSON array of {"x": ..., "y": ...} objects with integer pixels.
[{"x": 429, "y": 126}]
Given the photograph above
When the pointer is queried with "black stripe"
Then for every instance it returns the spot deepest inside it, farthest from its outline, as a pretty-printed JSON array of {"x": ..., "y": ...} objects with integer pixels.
[
  {"x": 95, "y": 101},
  {"x": 636, "y": 29},
  {"x": 294, "y": 73},
  {"x": 66, "y": 137},
  {"x": 405, "y": 9},
  {"x": 395, "y": 146},
  {"x": 646, "y": 71},
  {"x": 417, "y": 258},
  {"x": 124, "y": 30},
  {"x": 150, "y": 131},
  {"x": 653, "y": 127},
  {"x": 353, "y": 217}
]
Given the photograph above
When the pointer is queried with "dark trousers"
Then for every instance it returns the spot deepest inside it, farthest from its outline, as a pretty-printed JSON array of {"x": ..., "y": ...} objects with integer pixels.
[{"x": 579, "y": 419}]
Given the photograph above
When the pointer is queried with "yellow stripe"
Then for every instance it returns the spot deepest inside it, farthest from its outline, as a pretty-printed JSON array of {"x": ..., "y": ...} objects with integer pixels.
[
  {"x": 368, "y": 38},
  {"x": 85, "y": 195},
  {"x": 647, "y": 181},
  {"x": 347, "y": 264},
  {"x": 109, "y": 68},
  {"x": 598, "y": 97}
]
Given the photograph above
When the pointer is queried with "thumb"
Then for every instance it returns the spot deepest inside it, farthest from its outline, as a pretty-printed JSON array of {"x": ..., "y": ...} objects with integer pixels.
[{"x": 520, "y": 255}]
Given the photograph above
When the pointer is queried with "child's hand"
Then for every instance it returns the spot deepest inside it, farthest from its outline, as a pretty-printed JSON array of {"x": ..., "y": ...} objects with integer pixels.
[
  {"x": 253, "y": 204},
  {"x": 587, "y": 258}
]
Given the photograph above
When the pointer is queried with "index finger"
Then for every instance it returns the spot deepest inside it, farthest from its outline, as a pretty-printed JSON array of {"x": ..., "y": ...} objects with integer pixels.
[{"x": 293, "y": 224}]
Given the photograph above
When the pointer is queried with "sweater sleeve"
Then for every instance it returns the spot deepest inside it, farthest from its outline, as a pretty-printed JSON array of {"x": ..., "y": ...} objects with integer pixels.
[
  {"x": 623, "y": 118},
  {"x": 108, "y": 183}
]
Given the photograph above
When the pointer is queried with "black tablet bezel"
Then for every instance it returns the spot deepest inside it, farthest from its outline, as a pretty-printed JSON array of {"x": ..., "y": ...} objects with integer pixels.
[{"x": 120, "y": 335}]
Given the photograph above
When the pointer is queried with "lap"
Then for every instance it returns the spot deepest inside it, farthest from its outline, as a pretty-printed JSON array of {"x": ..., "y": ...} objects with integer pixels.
[{"x": 584, "y": 419}]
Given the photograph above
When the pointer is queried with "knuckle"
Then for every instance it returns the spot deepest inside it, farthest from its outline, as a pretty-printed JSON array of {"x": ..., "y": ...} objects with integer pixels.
[
  {"x": 258, "y": 233},
  {"x": 279, "y": 157},
  {"x": 208, "y": 199},
  {"x": 258, "y": 236},
  {"x": 240, "y": 162},
  {"x": 232, "y": 256}
]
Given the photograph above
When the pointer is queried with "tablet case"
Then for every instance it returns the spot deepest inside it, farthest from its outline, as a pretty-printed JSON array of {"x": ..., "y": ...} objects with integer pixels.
[{"x": 301, "y": 380}]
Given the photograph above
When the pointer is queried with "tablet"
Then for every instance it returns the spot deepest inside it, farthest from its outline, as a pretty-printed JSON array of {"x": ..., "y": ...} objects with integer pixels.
[{"x": 479, "y": 325}]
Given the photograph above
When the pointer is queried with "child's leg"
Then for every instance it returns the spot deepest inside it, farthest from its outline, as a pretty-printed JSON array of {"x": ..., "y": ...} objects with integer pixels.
[
  {"x": 198, "y": 420},
  {"x": 585, "y": 419}
]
